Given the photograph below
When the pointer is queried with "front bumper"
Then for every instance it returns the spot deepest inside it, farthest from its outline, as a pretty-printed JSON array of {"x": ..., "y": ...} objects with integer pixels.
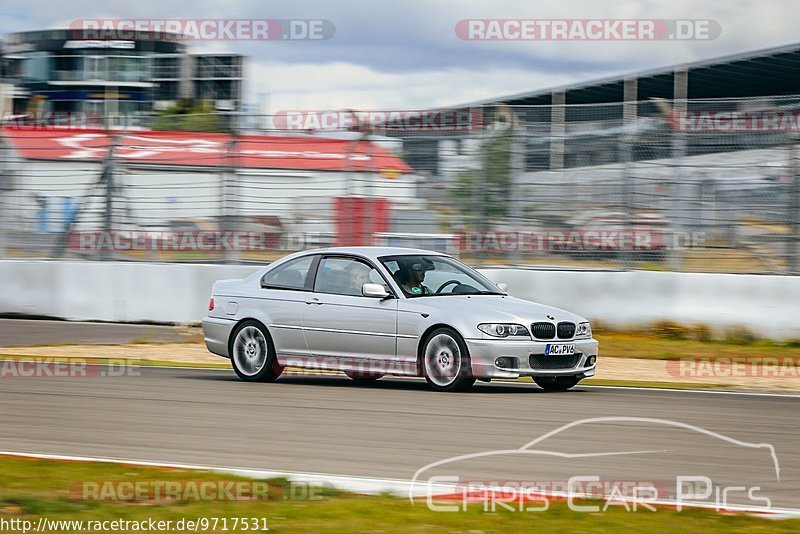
[
  {"x": 216, "y": 333},
  {"x": 484, "y": 352}
]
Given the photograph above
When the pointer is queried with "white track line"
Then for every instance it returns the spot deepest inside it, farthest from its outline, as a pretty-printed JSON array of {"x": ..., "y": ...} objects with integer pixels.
[
  {"x": 690, "y": 390},
  {"x": 374, "y": 486},
  {"x": 337, "y": 373},
  {"x": 367, "y": 485}
]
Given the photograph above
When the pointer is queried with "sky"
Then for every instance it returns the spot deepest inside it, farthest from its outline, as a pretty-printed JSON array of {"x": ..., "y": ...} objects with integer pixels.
[{"x": 407, "y": 55}]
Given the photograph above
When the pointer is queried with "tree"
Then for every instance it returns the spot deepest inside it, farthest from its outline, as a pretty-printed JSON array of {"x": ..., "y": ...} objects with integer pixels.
[
  {"x": 485, "y": 195},
  {"x": 187, "y": 116}
]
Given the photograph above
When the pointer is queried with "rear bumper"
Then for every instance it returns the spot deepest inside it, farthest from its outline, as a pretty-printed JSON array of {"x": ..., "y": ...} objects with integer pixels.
[
  {"x": 484, "y": 352},
  {"x": 216, "y": 333}
]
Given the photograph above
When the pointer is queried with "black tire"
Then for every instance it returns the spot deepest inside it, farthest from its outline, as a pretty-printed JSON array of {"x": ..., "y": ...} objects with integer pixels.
[
  {"x": 447, "y": 365},
  {"x": 363, "y": 376},
  {"x": 249, "y": 343},
  {"x": 556, "y": 383}
]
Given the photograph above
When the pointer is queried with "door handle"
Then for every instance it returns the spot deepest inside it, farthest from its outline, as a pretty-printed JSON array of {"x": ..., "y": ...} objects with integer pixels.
[{"x": 313, "y": 300}]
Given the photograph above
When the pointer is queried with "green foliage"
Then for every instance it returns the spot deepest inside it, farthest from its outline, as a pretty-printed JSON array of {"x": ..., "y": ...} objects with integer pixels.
[
  {"x": 188, "y": 116},
  {"x": 670, "y": 330},
  {"x": 677, "y": 331},
  {"x": 701, "y": 332},
  {"x": 485, "y": 196},
  {"x": 740, "y": 336}
]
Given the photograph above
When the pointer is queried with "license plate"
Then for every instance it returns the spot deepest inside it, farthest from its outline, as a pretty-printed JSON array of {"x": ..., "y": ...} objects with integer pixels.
[{"x": 558, "y": 350}]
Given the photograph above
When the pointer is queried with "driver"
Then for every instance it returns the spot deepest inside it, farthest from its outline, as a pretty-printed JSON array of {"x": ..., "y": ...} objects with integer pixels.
[{"x": 412, "y": 276}]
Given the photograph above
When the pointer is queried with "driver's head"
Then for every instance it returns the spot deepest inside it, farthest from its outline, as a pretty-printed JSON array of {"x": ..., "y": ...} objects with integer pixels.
[{"x": 416, "y": 270}]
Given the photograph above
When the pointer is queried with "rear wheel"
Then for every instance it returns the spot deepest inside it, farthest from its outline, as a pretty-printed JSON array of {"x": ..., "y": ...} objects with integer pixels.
[
  {"x": 556, "y": 383},
  {"x": 445, "y": 361},
  {"x": 252, "y": 353}
]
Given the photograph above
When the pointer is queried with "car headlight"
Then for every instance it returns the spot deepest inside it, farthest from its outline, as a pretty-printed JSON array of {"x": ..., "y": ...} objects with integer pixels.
[
  {"x": 503, "y": 329},
  {"x": 583, "y": 331}
]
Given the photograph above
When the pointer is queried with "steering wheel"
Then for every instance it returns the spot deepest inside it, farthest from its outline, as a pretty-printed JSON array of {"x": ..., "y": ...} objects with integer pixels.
[{"x": 449, "y": 282}]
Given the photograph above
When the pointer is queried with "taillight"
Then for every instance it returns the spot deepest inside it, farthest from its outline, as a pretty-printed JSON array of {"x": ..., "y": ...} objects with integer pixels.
[{"x": 211, "y": 304}]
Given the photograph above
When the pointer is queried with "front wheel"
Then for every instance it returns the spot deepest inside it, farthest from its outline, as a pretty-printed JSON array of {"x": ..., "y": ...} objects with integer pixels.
[
  {"x": 445, "y": 361},
  {"x": 556, "y": 383},
  {"x": 253, "y": 355}
]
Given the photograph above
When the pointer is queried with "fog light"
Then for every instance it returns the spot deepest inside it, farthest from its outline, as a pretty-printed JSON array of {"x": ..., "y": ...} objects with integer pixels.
[
  {"x": 591, "y": 360},
  {"x": 506, "y": 362}
]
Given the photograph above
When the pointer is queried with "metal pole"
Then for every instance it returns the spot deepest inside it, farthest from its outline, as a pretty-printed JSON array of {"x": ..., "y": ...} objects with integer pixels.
[
  {"x": 792, "y": 260},
  {"x": 629, "y": 115},
  {"x": 557, "y": 130},
  {"x": 5, "y": 184},
  {"x": 517, "y": 169},
  {"x": 230, "y": 197},
  {"x": 108, "y": 178},
  {"x": 479, "y": 192},
  {"x": 680, "y": 94},
  {"x": 626, "y": 152}
]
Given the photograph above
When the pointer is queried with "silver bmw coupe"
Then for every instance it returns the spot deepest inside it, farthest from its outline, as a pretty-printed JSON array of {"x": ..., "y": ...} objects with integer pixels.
[{"x": 374, "y": 311}]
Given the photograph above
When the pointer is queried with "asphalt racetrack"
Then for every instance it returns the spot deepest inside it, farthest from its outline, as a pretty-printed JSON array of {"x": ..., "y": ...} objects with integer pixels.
[
  {"x": 28, "y": 332},
  {"x": 394, "y": 427}
]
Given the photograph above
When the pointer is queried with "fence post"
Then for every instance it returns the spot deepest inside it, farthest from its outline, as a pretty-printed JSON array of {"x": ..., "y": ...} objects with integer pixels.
[
  {"x": 229, "y": 197},
  {"x": 792, "y": 260},
  {"x": 5, "y": 184},
  {"x": 680, "y": 86},
  {"x": 517, "y": 169},
  {"x": 107, "y": 176},
  {"x": 630, "y": 112},
  {"x": 627, "y": 201},
  {"x": 479, "y": 190},
  {"x": 557, "y": 130}
]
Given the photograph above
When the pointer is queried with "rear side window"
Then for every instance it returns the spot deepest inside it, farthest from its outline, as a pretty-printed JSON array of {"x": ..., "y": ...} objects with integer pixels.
[
  {"x": 345, "y": 276},
  {"x": 290, "y": 275}
]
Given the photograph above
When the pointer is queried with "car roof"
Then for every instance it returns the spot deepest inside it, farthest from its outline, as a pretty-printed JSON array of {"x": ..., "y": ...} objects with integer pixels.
[{"x": 374, "y": 252}]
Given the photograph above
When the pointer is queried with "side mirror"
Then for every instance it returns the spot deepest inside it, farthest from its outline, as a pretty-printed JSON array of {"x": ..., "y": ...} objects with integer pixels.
[
  {"x": 502, "y": 286},
  {"x": 376, "y": 291}
]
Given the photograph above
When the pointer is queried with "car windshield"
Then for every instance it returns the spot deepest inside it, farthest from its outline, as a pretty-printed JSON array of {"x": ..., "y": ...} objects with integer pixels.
[{"x": 431, "y": 275}]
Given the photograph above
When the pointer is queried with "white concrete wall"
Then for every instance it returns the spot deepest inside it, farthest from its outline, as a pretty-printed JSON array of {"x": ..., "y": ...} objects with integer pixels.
[
  {"x": 112, "y": 291},
  {"x": 768, "y": 305}
]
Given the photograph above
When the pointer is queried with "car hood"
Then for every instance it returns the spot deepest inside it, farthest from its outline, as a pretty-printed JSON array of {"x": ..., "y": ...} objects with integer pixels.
[{"x": 492, "y": 308}]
